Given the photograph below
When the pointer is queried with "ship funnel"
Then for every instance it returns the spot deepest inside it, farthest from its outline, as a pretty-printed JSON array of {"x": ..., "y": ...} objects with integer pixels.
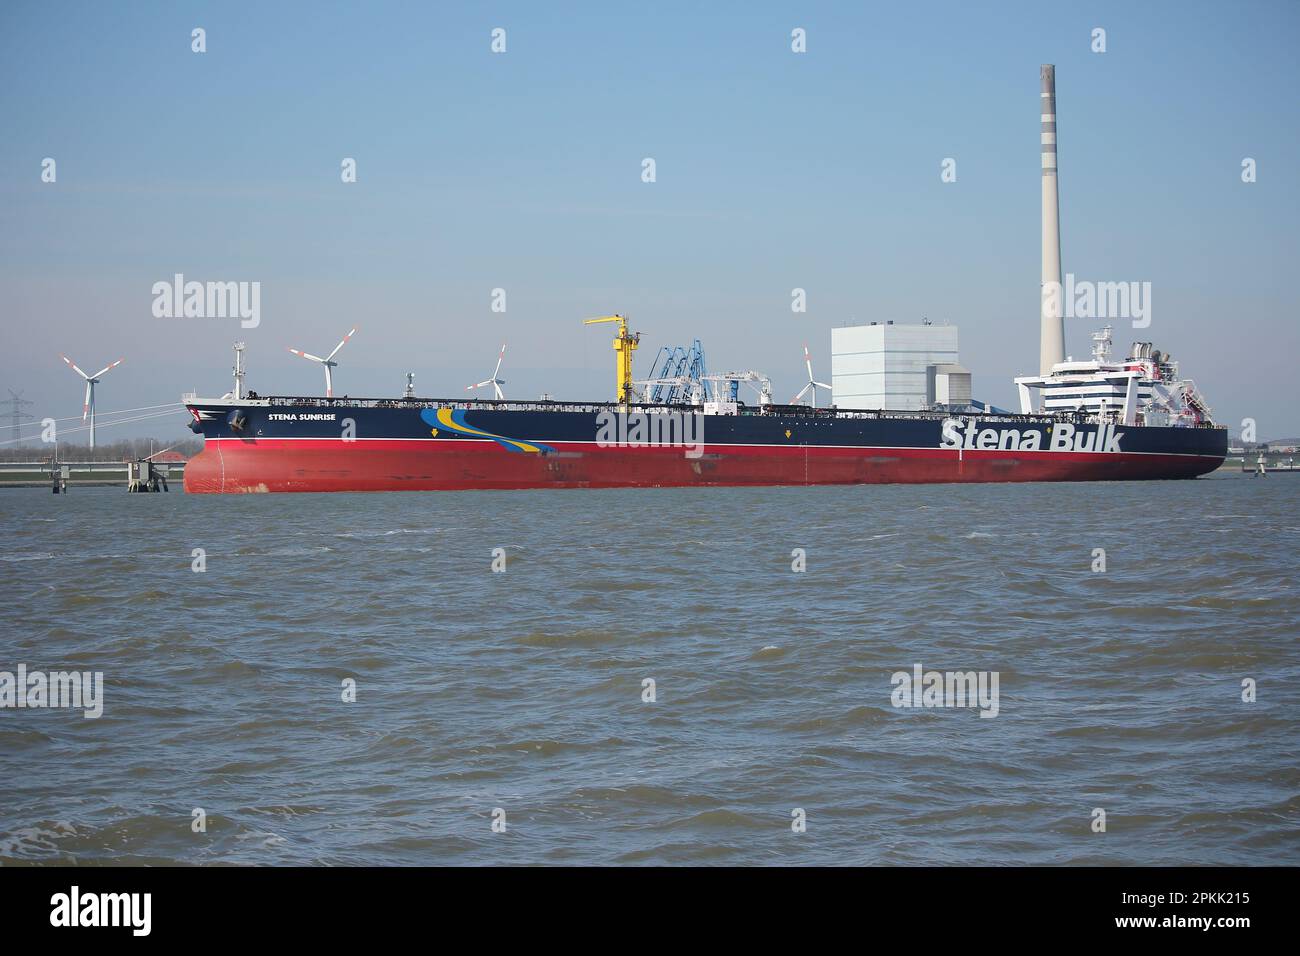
[{"x": 1052, "y": 341}]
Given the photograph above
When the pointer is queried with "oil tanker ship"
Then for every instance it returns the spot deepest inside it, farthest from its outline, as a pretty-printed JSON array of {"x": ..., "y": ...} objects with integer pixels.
[{"x": 1098, "y": 420}]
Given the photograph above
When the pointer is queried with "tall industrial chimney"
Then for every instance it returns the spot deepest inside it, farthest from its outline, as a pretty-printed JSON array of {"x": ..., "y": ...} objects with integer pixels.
[{"x": 1051, "y": 347}]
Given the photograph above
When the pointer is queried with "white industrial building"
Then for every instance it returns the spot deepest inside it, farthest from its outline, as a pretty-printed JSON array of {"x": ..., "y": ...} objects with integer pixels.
[{"x": 904, "y": 367}]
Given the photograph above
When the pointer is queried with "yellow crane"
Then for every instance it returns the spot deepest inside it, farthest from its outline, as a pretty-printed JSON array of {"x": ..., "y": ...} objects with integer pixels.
[{"x": 625, "y": 344}]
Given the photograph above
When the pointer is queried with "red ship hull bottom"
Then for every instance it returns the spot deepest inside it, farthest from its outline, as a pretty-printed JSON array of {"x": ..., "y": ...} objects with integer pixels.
[{"x": 227, "y": 466}]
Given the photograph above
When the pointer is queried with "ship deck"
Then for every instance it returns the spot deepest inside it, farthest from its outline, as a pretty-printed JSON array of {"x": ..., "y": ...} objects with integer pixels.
[{"x": 589, "y": 408}]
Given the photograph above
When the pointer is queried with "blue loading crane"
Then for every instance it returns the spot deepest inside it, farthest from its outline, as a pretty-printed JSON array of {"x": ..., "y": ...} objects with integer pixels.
[{"x": 682, "y": 365}]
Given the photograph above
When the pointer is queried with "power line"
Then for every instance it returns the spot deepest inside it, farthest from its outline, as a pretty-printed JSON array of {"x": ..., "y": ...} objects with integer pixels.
[
  {"x": 86, "y": 428},
  {"x": 16, "y": 402},
  {"x": 120, "y": 411}
]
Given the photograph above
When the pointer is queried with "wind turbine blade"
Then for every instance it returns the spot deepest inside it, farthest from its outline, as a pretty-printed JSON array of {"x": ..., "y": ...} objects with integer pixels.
[
  {"x": 307, "y": 355},
  {"x": 808, "y": 361},
  {"x": 72, "y": 366},
  {"x": 329, "y": 383},
  {"x": 500, "y": 394},
  {"x": 85, "y": 405},
  {"x": 341, "y": 344},
  {"x": 822, "y": 385},
  {"x": 798, "y": 398},
  {"x": 108, "y": 368},
  {"x": 497, "y": 370}
]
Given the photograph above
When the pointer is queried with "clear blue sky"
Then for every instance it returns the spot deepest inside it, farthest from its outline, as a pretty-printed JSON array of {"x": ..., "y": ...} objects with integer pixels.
[{"x": 522, "y": 171}]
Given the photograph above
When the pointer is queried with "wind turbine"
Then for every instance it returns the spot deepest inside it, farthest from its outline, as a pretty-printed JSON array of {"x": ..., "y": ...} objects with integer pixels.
[
  {"x": 495, "y": 382},
  {"x": 327, "y": 361},
  {"x": 88, "y": 407},
  {"x": 812, "y": 382}
]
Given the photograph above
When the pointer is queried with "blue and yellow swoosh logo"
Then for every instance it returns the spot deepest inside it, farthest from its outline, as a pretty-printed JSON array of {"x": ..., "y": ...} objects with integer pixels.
[{"x": 453, "y": 419}]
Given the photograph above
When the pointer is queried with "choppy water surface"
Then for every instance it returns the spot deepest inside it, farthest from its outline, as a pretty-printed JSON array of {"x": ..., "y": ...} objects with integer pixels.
[{"x": 523, "y": 690}]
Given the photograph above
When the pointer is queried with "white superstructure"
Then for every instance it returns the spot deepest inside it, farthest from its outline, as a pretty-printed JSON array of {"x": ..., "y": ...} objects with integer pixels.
[{"x": 1143, "y": 389}]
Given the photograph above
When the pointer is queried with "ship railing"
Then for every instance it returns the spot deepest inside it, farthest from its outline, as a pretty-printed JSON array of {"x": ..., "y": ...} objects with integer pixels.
[{"x": 776, "y": 411}]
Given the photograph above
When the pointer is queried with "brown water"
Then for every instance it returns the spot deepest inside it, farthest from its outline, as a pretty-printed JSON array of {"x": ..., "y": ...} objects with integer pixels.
[{"x": 522, "y": 690}]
